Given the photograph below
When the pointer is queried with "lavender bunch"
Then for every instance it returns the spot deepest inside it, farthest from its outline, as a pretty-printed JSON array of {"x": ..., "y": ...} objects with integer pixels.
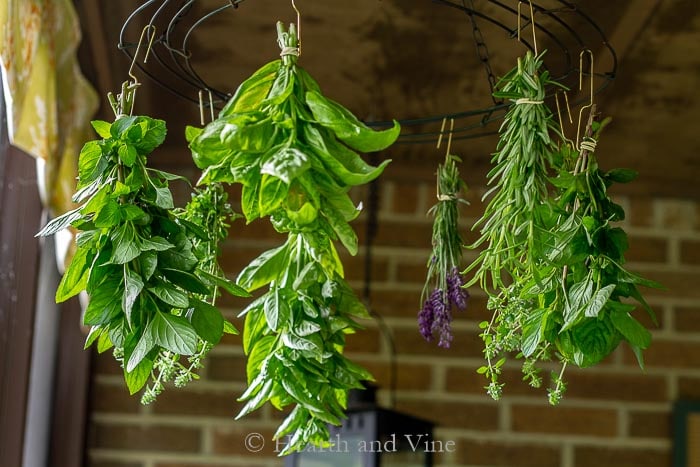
[{"x": 443, "y": 288}]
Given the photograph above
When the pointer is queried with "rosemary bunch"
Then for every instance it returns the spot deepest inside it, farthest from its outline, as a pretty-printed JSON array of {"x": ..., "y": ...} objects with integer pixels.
[{"x": 444, "y": 284}]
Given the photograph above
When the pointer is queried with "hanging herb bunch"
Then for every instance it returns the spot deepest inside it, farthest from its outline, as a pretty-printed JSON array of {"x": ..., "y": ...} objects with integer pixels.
[
  {"x": 293, "y": 151},
  {"x": 553, "y": 261},
  {"x": 443, "y": 289},
  {"x": 146, "y": 269}
]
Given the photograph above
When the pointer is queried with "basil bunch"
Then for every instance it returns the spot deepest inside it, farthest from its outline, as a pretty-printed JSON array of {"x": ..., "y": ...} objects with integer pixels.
[
  {"x": 140, "y": 264},
  {"x": 555, "y": 261},
  {"x": 293, "y": 151}
]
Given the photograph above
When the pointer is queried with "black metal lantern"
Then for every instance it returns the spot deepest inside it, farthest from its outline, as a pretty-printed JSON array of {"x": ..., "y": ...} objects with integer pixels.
[{"x": 372, "y": 436}]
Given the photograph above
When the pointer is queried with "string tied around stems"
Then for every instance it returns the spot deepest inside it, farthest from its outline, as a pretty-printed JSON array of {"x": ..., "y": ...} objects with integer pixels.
[{"x": 526, "y": 100}]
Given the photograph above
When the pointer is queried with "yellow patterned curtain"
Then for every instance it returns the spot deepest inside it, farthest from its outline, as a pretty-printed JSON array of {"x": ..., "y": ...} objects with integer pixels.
[{"x": 49, "y": 102}]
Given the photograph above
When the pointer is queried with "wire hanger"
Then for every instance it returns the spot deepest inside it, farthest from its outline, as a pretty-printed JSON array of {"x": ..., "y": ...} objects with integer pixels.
[
  {"x": 580, "y": 87},
  {"x": 568, "y": 112},
  {"x": 294, "y": 5},
  {"x": 123, "y": 104},
  {"x": 201, "y": 106},
  {"x": 532, "y": 21}
]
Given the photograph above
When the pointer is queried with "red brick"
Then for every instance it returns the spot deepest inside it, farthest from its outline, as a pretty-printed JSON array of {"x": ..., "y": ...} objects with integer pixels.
[
  {"x": 650, "y": 424},
  {"x": 405, "y": 199},
  {"x": 587, "y": 456},
  {"x": 403, "y": 234},
  {"x": 226, "y": 368},
  {"x": 245, "y": 441},
  {"x": 465, "y": 344},
  {"x": 467, "y": 380},
  {"x": 105, "y": 364},
  {"x": 589, "y": 384},
  {"x": 113, "y": 399},
  {"x": 409, "y": 377},
  {"x": 690, "y": 252},
  {"x": 355, "y": 268},
  {"x": 647, "y": 250},
  {"x": 564, "y": 420},
  {"x": 364, "y": 340},
  {"x": 144, "y": 438},
  {"x": 458, "y": 415},
  {"x": 641, "y": 212},
  {"x": 687, "y": 319},
  {"x": 199, "y": 402},
  {"x": 506, "y": 454},
  {"x": 664, "y": 353},
  {"x": 688, "y": 388}
]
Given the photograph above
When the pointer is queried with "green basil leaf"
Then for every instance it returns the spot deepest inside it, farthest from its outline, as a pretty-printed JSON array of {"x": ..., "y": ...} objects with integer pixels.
[
  {"x": 273, "y": 192},
  {"x": 155, "y": 243},
  {"x": 253, "y": 90},
  {"x": 102, "y": 128},
  {"x": 138, "y": 377},
  {"x": 170, "y": 295},
  {"x": 59, "y": 223},
  {"x": 164, "y": 199},
  {"x": 173, "y": 333},
  {"x": 345, "y": 233},
  {"x": 144, "y": 345},
  {"x": 152, "y": 135},
  {"x": 75, "y": 278},
  {"x": 264, "y": 269},
  {"x": 148, "y": 261},
  {"x": 347, "y": 127},
  {"x": 533, "y": 329},
  {"x": 632, "y": 330},
  {"x": 229, "y": 286},
  {"x": 90, "y": 162},
  {"x": 207, "y": 321},
  {"x": 262, "y": 350},
  {"x": 250, "y": 203},
  {"x": 127, "y": 154},
  {"x": 254, "y": 326},
  {"x": 104, "y": 304},
  {"x": 186, "y": 281},
  {"x": 109, "y": 215},
  {"x": 600, "y": 298},
  {"x": 621, "y": 175},
  {"x": 277, "y": 311},
  {"x": 133, "y": 285},
  {"x": 121, "y": 125},
  {"x": 293, "y": 421},
  {"x": 286, "y": 164},
  {"x": 124, "y": 243}
]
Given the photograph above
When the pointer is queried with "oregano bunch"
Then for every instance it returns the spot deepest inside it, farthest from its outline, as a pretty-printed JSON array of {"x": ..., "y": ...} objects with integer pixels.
[
  {"x": 137, "y": 260},
  {"x": 294, "y": 153},
  {"x": 444, "y": 283}
]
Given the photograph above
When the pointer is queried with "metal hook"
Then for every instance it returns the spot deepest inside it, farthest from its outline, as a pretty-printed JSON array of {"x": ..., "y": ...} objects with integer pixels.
[
  {"x": 294, "y": 5},
  {"x": 449, "y": 135},
  {"x": 442, "y": 130},
  {"x": 532, "y": 21},
  {"x": 568, "y": 111},
  {"x": 201, "y": 106},
  {"x": 135, "y": 80},
  {"x": 580, "y": 87}
]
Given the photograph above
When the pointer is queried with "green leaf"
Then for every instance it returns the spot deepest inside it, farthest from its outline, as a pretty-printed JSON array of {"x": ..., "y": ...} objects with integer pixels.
[
  {"x": 121, "y": 125},
  {"x": 102, "y": 128},
  {"x": 144, "y": 345},
  {"x": 296, "y": 418},
  {"x": 579, "y": 295},
  {"x": 594, "y": 340},
  {"x": 277, "y": 311},
  {"x": 635, "y": 333},
  {"x": 133, "y": 285},
  {"x": 229, "y": 328},
  {"x": 273, "y": 192},
  {"x": 600, "y": 298},
  {"x": 250, "y": 202},
  {"x": 207, "y": 321},
  {"x": 170, "y": 295},
  {"x": 264, "y": 269},
  {"x": 75, "y": 278},
  {"x": 152, "y": 134},
  {"x": 104, "y": 304},
  {"x": 621, "y": 175},
  {"x": 155, "y": 243},
  {"x": 89, "y": 162},
  {"x": 180, "y": 257},
  {"x": 59, "y": 223},
  {"x": 94, "y": 334},
  {"x": 148, "y": 261},
  {"x": 347, "y": 127},
  {"x": 345, "y": 233},
  {"x": 261, "y": 350},
  {"x": 257, "y": 401},
  {"x": 124, "y": 244},
  {"x": 191, "y": 133},
  {"x": 164, "y": 199},
  {"x": 138, "y": 377},
  {"x": 253, "y": 90},
  {"x": 286, "y": 164},
  {"x": 109, "y": 215},
  {"x": 173, "y": 333},
  {"x": 127, "y": 154},
  {"x": 186, "y": 281},
  {"x": 254, "y": 325},
  {"x": 532, "y": 332},
  {"x": 229, "y": 286}
]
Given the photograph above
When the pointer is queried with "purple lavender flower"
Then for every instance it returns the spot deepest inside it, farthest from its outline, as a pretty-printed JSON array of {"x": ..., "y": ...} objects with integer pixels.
[
  {"x": 442, "y": 317},
  {"x": 457, "y": 295},
  {"x": 426, "y": 316}
]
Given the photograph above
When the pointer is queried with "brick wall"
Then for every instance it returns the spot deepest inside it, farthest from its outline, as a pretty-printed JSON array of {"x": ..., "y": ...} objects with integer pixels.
[{"x": 612, "y": 415}]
